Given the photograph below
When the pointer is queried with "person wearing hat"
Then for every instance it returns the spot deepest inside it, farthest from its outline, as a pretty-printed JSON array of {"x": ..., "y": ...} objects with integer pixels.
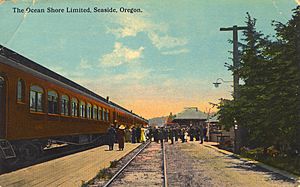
[
  {"x": 111, "y": 134},
  {"x": 121, "y": 137}
]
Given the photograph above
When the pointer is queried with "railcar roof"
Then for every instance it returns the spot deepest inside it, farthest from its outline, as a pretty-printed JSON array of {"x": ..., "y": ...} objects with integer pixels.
[{"x": 8, "y": 53}]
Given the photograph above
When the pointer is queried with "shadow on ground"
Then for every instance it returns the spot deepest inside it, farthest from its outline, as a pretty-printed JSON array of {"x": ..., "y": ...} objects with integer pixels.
[{"x": 247, "y": 166}]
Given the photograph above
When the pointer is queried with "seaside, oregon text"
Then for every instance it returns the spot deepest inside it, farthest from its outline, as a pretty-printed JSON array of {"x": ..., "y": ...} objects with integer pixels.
[{"x": 76, "y": 10}]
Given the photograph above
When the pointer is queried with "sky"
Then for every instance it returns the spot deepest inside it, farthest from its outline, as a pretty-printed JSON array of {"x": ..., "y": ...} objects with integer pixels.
[{"x": 154, "y": 62}]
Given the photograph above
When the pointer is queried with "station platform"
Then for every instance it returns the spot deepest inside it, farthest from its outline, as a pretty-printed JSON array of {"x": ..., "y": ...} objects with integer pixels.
[{"x": 71, "y": 170}]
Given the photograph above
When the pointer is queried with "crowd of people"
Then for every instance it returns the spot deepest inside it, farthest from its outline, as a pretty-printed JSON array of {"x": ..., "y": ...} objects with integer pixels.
[
  {"x": 121, "y": 134},
  {"x": 175, "y": 133}
]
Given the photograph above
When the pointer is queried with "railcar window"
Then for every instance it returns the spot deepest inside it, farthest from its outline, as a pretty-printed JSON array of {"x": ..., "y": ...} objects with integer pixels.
[
  {"x": 89, "y": 111},
  {"x": 36, "y": 99},
  {"x": 65, "y": 105},
  {"x": 82, "y": 109},
  {"x": 95, "y": 113},
  {"x": 103, "y": 114},
  {"x": 100, "y": 113},
  {"x": 107, "y": 115},
  {"x": 74, "y": 107},
  {"x": 20, "y": 90},
  {"x": 52, "y": 102}
]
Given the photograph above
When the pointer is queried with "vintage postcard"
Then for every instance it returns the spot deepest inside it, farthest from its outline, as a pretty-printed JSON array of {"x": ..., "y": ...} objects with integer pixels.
[{"x": 149, "y": 93}]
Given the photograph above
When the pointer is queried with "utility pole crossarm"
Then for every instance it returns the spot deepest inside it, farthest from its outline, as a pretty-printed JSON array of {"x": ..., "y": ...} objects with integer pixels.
[{"x": 233, "y": 28}]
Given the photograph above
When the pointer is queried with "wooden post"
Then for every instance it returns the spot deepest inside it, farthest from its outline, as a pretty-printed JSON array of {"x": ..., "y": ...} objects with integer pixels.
[{"x": 236, "y": 63}]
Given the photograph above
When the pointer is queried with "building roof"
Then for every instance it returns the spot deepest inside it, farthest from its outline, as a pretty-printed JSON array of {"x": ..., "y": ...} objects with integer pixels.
[
  {"x": 159, "y": 121},
  {"x": 191, "y": 113}
]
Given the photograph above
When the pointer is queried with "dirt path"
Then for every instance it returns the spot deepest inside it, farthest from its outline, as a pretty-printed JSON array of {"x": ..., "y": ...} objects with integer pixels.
[{"x": 192, "y": 164}]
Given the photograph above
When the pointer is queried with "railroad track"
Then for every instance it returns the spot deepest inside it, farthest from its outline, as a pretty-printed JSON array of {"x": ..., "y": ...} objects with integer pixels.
[{"x": 146, "y": 168}]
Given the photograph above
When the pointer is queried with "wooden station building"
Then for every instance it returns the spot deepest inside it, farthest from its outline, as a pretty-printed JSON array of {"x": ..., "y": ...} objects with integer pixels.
[{"x": 190, "y": 116}]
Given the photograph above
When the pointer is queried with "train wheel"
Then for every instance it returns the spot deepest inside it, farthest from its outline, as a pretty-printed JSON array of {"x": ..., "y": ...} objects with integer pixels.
[
  {"x": 100, "y": 140},
  {"x": 29, "y": 152},
  {"x": 12, "y": 163}
]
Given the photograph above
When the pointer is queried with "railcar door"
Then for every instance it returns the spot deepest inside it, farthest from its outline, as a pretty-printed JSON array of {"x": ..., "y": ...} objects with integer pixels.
[{"x": 2, "y": 106}]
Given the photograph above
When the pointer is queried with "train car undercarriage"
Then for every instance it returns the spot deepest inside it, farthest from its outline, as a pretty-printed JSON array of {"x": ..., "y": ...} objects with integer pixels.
[{"x": 14, "y": 153}]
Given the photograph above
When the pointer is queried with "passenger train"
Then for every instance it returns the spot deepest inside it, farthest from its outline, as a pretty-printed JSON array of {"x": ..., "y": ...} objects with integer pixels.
[{"x": 38, "y": 106}]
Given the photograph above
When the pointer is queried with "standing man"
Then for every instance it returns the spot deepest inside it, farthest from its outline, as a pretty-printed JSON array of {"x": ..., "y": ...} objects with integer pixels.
[
  {"x": 177, "y": 132},
  {"x": 197, "y": 133},
  {"x": 191, "y": 133},
  {"x": 182, "y": 134},
  {"x": 201, "y": 133},
  {"x": 155, "y": 134},
  {"x": 161, "y": 135},
  {"x": 165, "y": 134},
  {"x": 172, "y": 137},
  {"x": 133, "y": 135},
  {"x": 150, "y": 133},
  {"x": 111, "y": 137},
  {"x": 205, "y": 134}
]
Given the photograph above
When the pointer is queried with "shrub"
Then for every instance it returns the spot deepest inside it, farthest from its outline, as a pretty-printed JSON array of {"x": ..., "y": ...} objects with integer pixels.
[
  {"x": 257, "y": 153},
  {"x": 104, "y": 174},
  {"x": 272, "y": 151},
  {"x": 113, "y": 164}
]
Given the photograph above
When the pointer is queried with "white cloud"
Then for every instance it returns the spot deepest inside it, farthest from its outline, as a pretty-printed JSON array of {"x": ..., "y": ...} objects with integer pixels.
[
  {"x": 166, "y": 41},
  {"x": 175, "y": 52},
  {"x": 130, "y": 26},
  {"x": 84, "y": 64},
  {"x": 157, "y": 33},
  {"x": 121, "y": 55}
]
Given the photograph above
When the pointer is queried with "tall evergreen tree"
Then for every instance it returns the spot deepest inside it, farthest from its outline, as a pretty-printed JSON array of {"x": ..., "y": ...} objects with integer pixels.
[
  {"x": 254, "y": 73},
  {"x": 268, "y": 106},
  {"x": 286, "y": 79}
]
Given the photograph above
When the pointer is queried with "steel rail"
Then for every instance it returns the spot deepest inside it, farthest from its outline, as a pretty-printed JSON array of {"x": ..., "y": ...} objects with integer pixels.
[
  {"x": 164, "y": 165},
  {"x": 123, "y": 168}
]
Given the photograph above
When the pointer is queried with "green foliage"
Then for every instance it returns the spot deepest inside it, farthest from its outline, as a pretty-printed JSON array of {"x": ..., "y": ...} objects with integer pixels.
[
  {"x": 104, "y": 174},
  {"x": 226, "y": 113},
  {"x": 272, "y": 157},
  {"x": 84, "y": 184},
  {"x": 268, "y": 104},
  {"x": 113, "y": 164},
  {"x": 256, "y": 154}
]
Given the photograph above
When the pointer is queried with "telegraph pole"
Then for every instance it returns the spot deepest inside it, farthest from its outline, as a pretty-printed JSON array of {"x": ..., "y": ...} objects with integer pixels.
[
  {"x": 236, "y": 64},
  {"x": 298, "y": 59}
]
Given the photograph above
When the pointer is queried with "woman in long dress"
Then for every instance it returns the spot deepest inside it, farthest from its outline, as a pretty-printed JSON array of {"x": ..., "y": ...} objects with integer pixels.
[
  {"x": 127, "y": 135},
  {"x": 121, "y": 137},
  {"x": 143, "y": 137}
]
